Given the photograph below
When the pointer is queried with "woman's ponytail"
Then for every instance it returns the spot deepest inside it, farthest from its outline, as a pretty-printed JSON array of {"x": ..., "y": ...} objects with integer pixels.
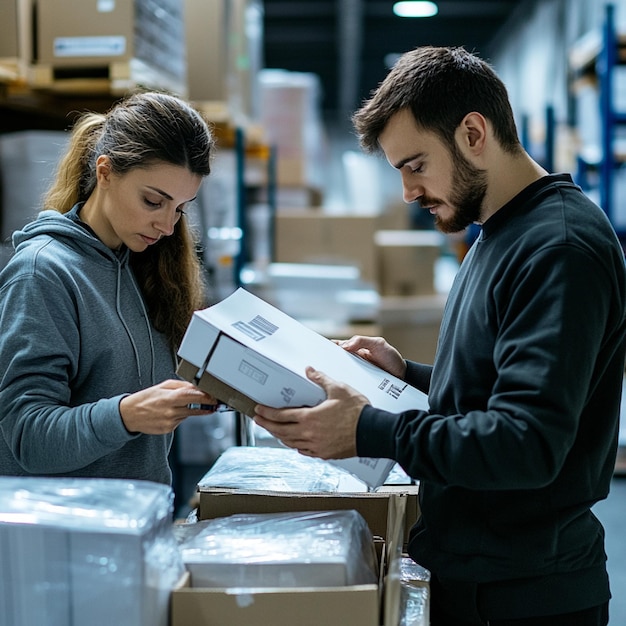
[{"x": 75, "y": 175}]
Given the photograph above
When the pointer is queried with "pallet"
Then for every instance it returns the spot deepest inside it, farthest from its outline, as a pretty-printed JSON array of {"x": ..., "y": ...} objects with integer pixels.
[{"x": 115, "y": 79}]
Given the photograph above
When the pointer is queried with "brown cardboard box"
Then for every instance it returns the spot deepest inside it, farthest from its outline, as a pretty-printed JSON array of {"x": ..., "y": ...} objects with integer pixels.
[
  {"x": 16, "y": 46},
  {"x": 292, "y": 168},
  {"x": 412, "y": 324},
  {"x": 224, "y": 49},
  {"x": 80, "y": 22},
  {"x": 274, "y": 479},
  {"x": 357, "y": 605},
  {"x": 373, "y": 506},
  {"x": 406, "y": 261},
  {"x": 317, "y": 237},
  {"x": 127, "y": 43},
  {"x": 289, "y": 110},
  {"x": 9, "y": 29},
  {"x": 207, "y": 66}
]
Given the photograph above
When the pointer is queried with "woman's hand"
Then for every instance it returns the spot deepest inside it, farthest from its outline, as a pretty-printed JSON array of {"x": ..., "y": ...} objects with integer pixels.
[{"x": 160, "y": 409}]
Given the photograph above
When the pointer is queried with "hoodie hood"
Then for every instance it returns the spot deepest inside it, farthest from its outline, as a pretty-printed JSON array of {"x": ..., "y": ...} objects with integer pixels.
[{"x": 67, "y": 226}]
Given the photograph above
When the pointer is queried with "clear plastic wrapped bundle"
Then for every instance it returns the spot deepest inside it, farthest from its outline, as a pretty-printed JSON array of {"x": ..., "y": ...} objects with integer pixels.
[
  {"x": 273, "y": 469},
  {"x": 413, "y": 573},
  {"x": 72, "y": 545},
  {"x": 315, "y": 549},
  {"x": 414, "y": 593},
  {"x": 414, "y": 605}
]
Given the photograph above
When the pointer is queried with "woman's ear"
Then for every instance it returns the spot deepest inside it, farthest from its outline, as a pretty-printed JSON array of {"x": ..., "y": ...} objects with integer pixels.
[{"x": 103, "y": 170}]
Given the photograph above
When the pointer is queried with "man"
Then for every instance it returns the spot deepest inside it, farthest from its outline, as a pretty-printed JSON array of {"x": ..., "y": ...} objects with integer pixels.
[{"x": 524, "y": 394}]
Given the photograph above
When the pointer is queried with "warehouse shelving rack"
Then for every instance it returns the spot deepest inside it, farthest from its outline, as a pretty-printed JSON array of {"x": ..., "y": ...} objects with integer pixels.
[
  {"x": 611, "y": 53},
  {"x": 267, "y": 154}
]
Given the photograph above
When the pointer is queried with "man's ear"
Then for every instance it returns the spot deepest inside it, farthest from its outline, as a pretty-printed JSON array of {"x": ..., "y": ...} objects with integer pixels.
[
  {"x": 472, "y": 132},
  {"x": 103, "y": 170}
]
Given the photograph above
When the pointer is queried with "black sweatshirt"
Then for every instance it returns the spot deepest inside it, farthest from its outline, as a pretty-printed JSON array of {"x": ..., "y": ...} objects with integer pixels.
[{"x": 524, "y": 399}]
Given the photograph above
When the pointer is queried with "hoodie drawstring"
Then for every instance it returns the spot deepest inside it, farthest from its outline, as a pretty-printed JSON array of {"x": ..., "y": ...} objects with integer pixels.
[{"x": 118, "y": 308}]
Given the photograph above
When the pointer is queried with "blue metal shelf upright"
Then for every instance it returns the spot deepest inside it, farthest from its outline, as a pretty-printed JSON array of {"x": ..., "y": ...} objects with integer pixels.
[{"x": 610, "y": 119}]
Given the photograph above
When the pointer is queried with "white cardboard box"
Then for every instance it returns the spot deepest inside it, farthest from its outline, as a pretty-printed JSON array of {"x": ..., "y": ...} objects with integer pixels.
[
  {"x": 299, "y": 549},
  {"x": 249, "y": 348}
]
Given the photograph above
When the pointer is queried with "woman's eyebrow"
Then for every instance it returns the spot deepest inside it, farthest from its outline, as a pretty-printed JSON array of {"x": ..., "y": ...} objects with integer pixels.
[{"x": 167, "y": 195}]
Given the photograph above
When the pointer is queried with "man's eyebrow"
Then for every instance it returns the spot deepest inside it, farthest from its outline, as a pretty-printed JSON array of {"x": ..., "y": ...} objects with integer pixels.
[{"x": 400, "y": 164}]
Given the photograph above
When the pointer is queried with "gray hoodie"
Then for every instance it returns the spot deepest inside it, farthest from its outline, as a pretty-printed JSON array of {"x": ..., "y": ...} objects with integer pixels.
[{"x": 75, "y": 340}]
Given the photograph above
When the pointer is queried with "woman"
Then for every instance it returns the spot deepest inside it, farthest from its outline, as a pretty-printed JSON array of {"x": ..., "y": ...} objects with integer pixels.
[{"x": 97, "y": 297}]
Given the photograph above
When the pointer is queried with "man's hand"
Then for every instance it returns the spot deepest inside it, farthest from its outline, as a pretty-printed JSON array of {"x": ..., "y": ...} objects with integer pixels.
[
  {"x": 327, "y": 430},
  {"x": 376, "y": 350}
]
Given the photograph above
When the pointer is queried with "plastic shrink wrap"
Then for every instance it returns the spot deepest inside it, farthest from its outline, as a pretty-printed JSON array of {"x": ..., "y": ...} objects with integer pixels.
[
  {"x": 414, "y": 593},
  {"x": 314, "y": 549},
  {"x": 79, "y": 551},
  {"x": 275, "y": 469}
]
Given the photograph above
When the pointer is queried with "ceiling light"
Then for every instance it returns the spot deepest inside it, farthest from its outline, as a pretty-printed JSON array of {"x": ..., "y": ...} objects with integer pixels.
[{"x": 415, "y": 9}]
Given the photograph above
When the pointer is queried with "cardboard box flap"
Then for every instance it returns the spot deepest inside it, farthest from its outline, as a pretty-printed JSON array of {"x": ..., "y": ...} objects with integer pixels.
[
  {"x": 332, "y": 606},
  {"x": 217, "y": 388}
]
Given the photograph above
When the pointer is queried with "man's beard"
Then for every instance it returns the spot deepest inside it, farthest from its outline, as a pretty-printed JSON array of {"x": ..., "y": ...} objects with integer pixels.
[{"x": 469, "y": 186}]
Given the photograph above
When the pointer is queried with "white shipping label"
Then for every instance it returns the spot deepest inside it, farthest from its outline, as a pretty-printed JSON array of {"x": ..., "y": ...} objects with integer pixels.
[{"x": 89, "y": 46}]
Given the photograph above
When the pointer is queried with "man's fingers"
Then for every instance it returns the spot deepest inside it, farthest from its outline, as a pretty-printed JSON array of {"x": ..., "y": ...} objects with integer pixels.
[
  {"x": 275, "y": 415},
  {"x": 319, "y": 377}
]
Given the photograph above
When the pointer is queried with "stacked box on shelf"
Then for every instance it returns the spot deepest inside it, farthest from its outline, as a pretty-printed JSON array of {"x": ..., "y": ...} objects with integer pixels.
[
  {"x": 86, "y": 551},
  {"x": 290, "y": 113},
  {"x": 159, "y": 32},
  {"x": 411, "y": 324},
  {"x": 207, "y": 52},
  {"x": 16, "y": 43},
  {"x": 406, "y": 261},
  {"x": 327, "y": 238},
  {"x": 120, "y": 45},
  {"x": 224, "y": 55}
]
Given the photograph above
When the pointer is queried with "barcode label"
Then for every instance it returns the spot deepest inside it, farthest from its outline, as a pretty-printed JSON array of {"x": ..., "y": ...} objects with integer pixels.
[
  {"x": 257, "y": 328},
  {"x": 395, "y": 391},
  {"x": 249, "y": 370},
  {"x": 368, "y": 462}
]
